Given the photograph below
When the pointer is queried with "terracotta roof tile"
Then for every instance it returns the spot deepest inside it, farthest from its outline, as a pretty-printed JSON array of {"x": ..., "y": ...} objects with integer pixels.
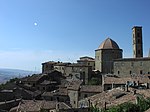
[
  {"x": 61, "y": 91},
  {"x": 90, "y": 88},
  {"x": 36, "y": 105}
]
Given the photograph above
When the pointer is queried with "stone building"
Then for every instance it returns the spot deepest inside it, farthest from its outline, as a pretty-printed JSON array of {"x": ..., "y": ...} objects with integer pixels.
[
  {"x": 105, "y": 55},
  {"x": 137, "y": 42},
  {"x": 62, "y": 67},
  {"x": 77, "y": 71},
  {"x": 108, "y": 57},
  {"x": 47, "y": 85},
  {"x": 34, "y": 80},
  {"x": 76, "y": 92},
  {"x": 60, "y": 95},
  {"x": 47, "y": 67},
  {"x": 132, "y": 66},
  {"x": 138, "y": 65},
  {"x": 87, "y": 61}
]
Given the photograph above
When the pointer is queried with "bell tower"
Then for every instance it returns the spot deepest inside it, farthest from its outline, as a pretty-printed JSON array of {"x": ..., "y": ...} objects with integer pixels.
[{"x": 137, "y": 41}]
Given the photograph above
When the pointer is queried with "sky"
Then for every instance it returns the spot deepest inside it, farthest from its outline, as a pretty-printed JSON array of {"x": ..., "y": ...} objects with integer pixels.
[{"x": 37, "y": 31}]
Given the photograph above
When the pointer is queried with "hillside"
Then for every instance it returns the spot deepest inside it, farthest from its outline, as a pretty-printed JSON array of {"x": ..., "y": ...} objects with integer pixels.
[{"x": 6, "y": 74}]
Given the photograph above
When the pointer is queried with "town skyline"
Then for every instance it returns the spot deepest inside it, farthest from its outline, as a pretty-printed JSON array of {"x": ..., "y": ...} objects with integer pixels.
[{"x": 33, "y": 32}]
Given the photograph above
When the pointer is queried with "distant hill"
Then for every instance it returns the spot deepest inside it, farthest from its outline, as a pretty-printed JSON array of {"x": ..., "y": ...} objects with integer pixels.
[{"x": 6, "y": 74}]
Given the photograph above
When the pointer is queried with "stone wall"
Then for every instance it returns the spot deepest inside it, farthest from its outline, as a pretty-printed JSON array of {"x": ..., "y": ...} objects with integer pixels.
[{"x": 132, "y": 67}]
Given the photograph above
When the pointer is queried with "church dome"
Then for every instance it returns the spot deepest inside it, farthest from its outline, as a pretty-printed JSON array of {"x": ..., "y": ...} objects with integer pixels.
[{"x": 108, "y": 44}]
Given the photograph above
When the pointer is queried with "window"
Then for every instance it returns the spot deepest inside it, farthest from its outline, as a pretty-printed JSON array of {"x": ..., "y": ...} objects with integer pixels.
[
  {"x": 141, "y": 72},
  {"x": 139, "y": 52},
  {"x": 138, "y": 34},
  {"x": 43, "y": 88},
  {"x": 74, "y": 102},
  {"x": 57, "y": 98},
  {"x": 148, "y": 72},
  {"x": 138, "y": 41},
  {"x": 85, "y": 95},
  {"x": 33, "y": 84},
  {"x": 79, "y": 94},
  {"x": 118, "y": 72},
  {"x": 130, "y": 72}
]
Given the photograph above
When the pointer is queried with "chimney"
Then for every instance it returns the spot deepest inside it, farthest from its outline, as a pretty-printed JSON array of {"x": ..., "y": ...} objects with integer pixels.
[
  {"x": 134, "y": 92},
  {"x": 147, "y": 85},
  {"x": 138, "y": 83},
  {"x": 127, "y": 88}
]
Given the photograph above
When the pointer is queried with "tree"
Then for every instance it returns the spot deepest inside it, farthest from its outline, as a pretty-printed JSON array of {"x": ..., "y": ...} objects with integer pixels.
[{"x": 94, "y": 81}]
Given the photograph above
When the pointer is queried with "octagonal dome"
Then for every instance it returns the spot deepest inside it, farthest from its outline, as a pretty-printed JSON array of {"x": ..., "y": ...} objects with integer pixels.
[{"x": 108, "y": 44}]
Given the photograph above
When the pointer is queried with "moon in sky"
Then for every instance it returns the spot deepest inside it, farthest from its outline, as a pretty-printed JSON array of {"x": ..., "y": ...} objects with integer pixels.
[{"x": 35, "y": 24}]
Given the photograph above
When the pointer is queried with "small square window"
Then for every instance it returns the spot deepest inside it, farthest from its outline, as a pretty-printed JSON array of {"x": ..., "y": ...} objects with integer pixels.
[
  {"x": 79, "y": 94},
  {"x": 43, "y": 88},
  {"x": 139, "y": 51},
  {"x": 138, "y": 34},
  {"x": 85, "y": 95},
  {"x": 141, "y": 72},
  {"x": 138, "y": 41},
  {"x": 118, "y": 72}
]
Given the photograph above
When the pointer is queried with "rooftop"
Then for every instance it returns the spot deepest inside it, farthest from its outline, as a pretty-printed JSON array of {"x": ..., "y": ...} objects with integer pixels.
[
  {"x": 37, "y": 105},
  {"x": 91, "y": 88},
  {"x": 111, "y": 97},
  {"x": 34, "y": 77},
  {"x": 60, "y": 92},
  {"x": 108, "y": 44},
  {"x": 46, "y": 82},
  {"x": 133, "y": 59},
  {"x": 74, "y": 85},
  {"x": 87, "y": 58}
]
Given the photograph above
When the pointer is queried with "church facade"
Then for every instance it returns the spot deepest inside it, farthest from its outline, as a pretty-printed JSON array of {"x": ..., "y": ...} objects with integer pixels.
[{"x": 108, "y": 57}]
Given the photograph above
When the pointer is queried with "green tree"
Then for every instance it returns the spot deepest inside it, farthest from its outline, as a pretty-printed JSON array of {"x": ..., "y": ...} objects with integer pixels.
[
  {"x": 94, "y": 81},
  {"x": 144, "y": 104}
]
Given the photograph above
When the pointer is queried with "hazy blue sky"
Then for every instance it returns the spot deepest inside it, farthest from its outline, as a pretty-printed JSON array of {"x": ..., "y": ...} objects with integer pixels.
[{"x": 35, "y": 31}]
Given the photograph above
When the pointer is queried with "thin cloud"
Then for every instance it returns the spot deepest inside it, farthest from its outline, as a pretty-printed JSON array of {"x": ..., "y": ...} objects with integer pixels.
[{"x": 29, "y": 60}]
